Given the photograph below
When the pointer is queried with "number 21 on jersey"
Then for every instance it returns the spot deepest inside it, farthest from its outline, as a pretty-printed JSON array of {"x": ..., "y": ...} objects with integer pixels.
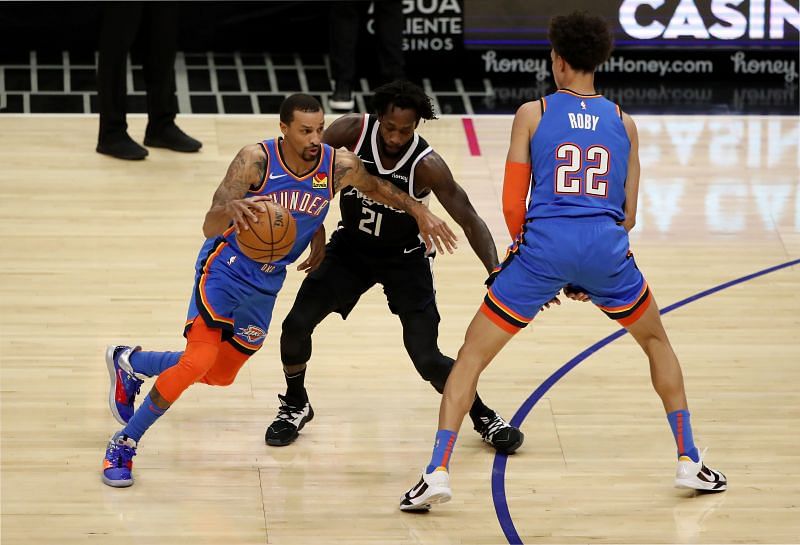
[
  {"x": 372, "y": 222},
  {"x": 582, "y": 171}
]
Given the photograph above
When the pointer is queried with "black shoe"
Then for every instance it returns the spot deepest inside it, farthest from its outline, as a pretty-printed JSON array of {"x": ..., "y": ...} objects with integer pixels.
[
  {"x": 121, "y": 146},
  {"x": 500, "y": 434},
  {"x": 171, "y": 137},
  {"x": 292, "y": 416},
  {"x": 342, "y": 97}
]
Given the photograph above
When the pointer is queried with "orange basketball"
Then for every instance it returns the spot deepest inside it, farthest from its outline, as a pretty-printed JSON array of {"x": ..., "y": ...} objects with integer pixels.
[{"x": 271, "y": 238}]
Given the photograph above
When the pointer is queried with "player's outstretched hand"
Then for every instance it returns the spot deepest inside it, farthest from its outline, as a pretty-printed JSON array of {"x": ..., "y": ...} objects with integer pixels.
[
  {"x": 575, "y": 295},
  {"x": 239, "y": 209},
  {"x": 314, "y": 259},
  {"x": 554, "y": 301},
  {"x": 435, "y": 231}
]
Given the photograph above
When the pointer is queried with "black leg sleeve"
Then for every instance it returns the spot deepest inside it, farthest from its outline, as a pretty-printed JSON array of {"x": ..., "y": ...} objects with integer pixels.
[
  {"x": 313, "y": 303},
  {"x": 120, "y": 21},
  {"x": 420, "y": 336}
]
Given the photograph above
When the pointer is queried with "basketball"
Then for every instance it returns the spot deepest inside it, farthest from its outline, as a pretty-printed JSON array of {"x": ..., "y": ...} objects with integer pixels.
[{"x": 271, "y": 238}]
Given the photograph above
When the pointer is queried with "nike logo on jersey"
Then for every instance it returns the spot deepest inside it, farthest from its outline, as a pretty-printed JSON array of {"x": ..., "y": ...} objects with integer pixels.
[
  {"x": 367, "y": 161},
  {"x": 407, "y": 251},
  {"x": 583, "y": 121},
  {"x": 273, "y": 177}
]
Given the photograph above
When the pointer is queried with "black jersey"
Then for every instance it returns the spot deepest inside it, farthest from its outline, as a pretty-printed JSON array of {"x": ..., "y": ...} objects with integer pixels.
[{"x": 374, "y": 224}]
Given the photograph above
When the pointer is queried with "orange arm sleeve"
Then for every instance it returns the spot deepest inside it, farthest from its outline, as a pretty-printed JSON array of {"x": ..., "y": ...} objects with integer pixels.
[{"x": 516, "y": 182}]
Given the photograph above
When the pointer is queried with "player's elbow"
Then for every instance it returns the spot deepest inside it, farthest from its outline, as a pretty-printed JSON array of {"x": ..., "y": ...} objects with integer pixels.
[
  {"x": 209, "y": 229},
  {"x": 346, "y": 160},
  {"x": 513, "y": 212}
]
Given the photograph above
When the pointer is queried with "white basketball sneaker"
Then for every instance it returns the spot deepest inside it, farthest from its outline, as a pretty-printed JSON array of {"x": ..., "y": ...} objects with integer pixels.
[
  {"x": 431, "y": 488},
  {"x": 696, "y": 476}
]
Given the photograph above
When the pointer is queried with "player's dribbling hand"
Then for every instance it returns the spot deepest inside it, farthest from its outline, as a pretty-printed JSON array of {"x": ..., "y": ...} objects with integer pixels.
[
  {"x": 575, "y": 295},
  {"x": 434, "y": 231},
  {"x": 239, "y": 209},
  {"x": 314, "y": 259}
]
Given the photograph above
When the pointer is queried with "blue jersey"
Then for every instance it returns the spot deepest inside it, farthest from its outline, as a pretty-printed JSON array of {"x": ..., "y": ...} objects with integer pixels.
[
  {"x": 307, "y": 198},
  {"x": 579, "y": 158}
]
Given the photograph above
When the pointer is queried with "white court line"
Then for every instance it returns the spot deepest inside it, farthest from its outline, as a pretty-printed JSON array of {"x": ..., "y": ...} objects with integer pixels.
[
  {"x": 212, "y": 75},
  {"x": 237, "y": 60},
  {"x": 301, "y": 73},
  {"x": 464, "y": 98},
  {"x": 67, "y": 73},
  {"x": 273, "y": 80},
  {"x": 34, "y": 73},
  {"x": 3, "y": 97},
  {"x": 182, "y": 84}
]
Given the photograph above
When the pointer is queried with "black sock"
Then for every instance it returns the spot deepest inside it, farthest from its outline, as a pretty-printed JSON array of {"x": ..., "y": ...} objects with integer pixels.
[
  {"x": 295, "y": 388},
  {"x": 478, "y": 410}
]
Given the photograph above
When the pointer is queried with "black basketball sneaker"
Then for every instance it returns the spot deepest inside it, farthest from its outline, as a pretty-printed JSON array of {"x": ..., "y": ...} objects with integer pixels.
[
  {"x": 292, "y": 416},
  {"x": 500, "y": 434}
]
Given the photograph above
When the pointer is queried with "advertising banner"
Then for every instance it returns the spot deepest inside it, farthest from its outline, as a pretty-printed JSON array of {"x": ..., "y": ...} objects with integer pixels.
[
  {"x": 654, "y": 64},
  {"x": 496, "y": 24}
]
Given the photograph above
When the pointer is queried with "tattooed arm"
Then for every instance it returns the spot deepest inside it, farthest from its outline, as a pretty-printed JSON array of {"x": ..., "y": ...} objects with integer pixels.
[
  {"x": 350, "y": 171},
  {"x": 228, "y": 205}
]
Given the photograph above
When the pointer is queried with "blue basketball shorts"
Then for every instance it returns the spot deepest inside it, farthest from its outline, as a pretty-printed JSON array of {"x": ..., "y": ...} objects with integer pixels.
[
  {"x": 235, "y": 294},
  {"x": 591, "y": 255}
]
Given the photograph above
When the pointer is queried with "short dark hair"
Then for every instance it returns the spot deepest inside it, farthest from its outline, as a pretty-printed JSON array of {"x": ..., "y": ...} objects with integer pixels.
[
  {"x": 583, "y": 40},
  {"x": 298, "y": 102},
  {"x": 403, "y": 94}
]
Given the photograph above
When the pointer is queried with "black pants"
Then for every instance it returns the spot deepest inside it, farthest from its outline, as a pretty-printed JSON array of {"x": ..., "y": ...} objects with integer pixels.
[
  {"x": 346, "y": 25},
  {"x": 121, "y": 22},
  {"x": 345, "y": 274}
]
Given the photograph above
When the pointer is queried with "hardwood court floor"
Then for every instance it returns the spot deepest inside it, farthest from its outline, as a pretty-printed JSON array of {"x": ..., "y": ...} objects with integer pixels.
[{"x": 96, "y": 251}]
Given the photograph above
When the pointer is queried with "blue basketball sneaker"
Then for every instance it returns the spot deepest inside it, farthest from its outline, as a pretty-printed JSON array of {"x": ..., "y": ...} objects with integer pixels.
[
  {"x": 125, "y": 383},
  {"x": 118, "y": 462}
]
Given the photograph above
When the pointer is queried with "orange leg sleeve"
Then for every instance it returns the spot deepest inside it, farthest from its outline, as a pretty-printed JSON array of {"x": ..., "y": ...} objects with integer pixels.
[
  {"x": 225, "y": 369},
  {"x": 202, "y": 347}
]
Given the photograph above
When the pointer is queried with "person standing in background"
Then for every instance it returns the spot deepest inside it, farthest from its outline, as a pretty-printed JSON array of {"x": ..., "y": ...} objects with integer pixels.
[
  {"x": 120, "y": 24},
  {"x": 345, "y": 27}
]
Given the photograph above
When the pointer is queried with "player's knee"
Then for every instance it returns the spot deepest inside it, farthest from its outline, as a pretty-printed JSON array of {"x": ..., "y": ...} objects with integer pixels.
[
  {"x": 471, "y": 356},
  {"x": 219, "y": 380},
  {"x": 295, "y": 325},
  {"x": 193, "y": 367},
  {"x": 434, "y": 368},
  {"x": 175, "y": 380},
  {"x": 295, "y": 340}
]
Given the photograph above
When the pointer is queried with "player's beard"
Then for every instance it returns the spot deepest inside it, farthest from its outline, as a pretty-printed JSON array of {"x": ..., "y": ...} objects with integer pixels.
[{"x": 310, "y": 154}]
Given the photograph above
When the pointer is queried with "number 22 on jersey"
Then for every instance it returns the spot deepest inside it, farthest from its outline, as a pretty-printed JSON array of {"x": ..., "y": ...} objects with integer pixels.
[{"x": 590, "y": 165}]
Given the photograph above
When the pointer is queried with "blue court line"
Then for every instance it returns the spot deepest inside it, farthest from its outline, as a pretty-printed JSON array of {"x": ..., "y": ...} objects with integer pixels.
[{"x": 499, "y": 466}]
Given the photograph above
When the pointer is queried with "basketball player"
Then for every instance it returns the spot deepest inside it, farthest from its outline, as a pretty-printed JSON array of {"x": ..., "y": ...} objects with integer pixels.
[
  {"x": 376, "y": 244},
  {"x": 582, "y": 152},
  {"x": 230, "y": 311}
]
